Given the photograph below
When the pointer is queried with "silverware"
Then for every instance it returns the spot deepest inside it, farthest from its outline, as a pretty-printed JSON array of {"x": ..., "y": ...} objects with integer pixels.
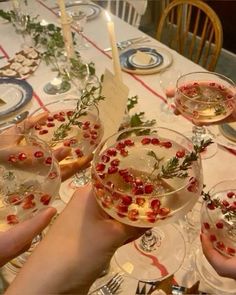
[
  {"x": 126, "y": 43},
  {"x": 17, "y": 119},
  {"x": 111, "y": 287}
]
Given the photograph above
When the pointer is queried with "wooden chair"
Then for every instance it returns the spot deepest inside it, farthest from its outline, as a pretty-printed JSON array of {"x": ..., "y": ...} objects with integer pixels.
[
  {"x": 193, "y": 29},
  {"x": 130, "y": 11}
]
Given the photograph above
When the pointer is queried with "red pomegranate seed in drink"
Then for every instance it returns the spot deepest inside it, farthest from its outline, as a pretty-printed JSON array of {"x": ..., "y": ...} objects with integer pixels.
[
  {"x": 79, "y": 153},
  {"x": 107, "y": 202},
  {"x": 126, "y": 200},
  {"x": 155, "y": 141},
  {"x": 56, "y": 116},
  {"x": 164, "y": 211},
  {"x": 38, "y": 154},
  {"x": 148, "y": 188},
  {"x": 211, "y": 206},
  {"x": 85, "y": 127},
  {"x": 155, "y": 204},
  {"x": 12, "y": 159},
  {"x": 206, "y": 225},
  {"x": 138, "y": 182},
  {"x": 146, "y": 140},
  {"x": 133, "y": 215},
  {"x": 230, "y": 194},
  {"x": 50, "y": 124},
  {"x": 220, "y": 245},
  {"x": 45, "y": 199},
  {"x": 180, "y": 154},
  {"x": 128, "y": 178},
  {"x": 167, "y": 144},
  {"x": 44, "y": 131},
  {"x": 12, "y": 219},
  {"x": 38, "y": 127},
  {"x": 94, "y": 136},
  {"x": 102, "y": 175},
  {"x": 66, "y": 142},
  {"x": 140, "y": 201},
  {"x": 61, "y": 119},
  {"x": 48, "y": 161},
  {"x": 124, "y": 153},
  {"x": 105, "y": 159},
  {"x": 53, "y": 175},
  {"x": 86, "y": 123},
  {"x": 123, "y": 172},
  {"x": 100, "y": 167},
  {"x": 138, "y": 190},
  {"x": 219, "y": 225},
  {"x": 86, "y": 135},
  {"x": 96, "y": 126},
  {"x": 70, "y": 113},
  {"x": 112, "y": 170},
  {"x": 94, "y": 132},
  {"x": 115, "y": 162},
  {"x": 62, "y": 113},
  {"x": 225, "y": 203},
  {"x": 151, "y": 216},
  {"x": 14, "y": 199},
  {"x": 111, "y": 152},
  {"x": 129, "y": 142},
  {"x": 122, "y": 208},
  {"x": 120, "y": 146},
  {"x": 230, "y": 251},
  {"x": 28, "y": 205},
  {"x": 22, "y": 156},
  {"x": 50, "y": 118},
  {"x": 213, "y": 238},
  {"x": 212, "y": 84}
]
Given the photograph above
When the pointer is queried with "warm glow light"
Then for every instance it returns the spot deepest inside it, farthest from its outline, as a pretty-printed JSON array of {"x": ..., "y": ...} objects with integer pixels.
[{"x": 108, "y": 16}]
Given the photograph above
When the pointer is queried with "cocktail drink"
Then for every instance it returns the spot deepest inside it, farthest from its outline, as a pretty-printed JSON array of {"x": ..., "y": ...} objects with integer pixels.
[
  {"x": 218, "y": 219},
  {"x": 74, "y": 125},
  {"x": 205, "y": 98},
  {"x": 147, "y": 177}
]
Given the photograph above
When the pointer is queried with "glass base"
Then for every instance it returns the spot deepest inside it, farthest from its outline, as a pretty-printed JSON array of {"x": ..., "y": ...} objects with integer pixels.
[
  {"x": 220, "y": 285},
  {"x": 158, "y": 264},
  {"x": 52, "y": 90}
]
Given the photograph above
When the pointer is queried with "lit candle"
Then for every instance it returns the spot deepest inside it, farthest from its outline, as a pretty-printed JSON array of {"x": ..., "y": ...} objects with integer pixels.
[
  {"x": 115, "y": 53},
  {"x": 66, "y": 30}
]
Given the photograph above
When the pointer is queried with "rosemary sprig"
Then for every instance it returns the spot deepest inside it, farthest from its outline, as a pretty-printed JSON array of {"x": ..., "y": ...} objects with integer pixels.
[
  {"x": 228, "y": 211},
  {"x": 176, "y": 167}
]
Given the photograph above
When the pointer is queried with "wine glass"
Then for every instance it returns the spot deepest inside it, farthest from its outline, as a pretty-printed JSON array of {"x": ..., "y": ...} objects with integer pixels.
[
  {"x": 29, "y": 181},
  {"x": 218, "y": 219},
  {"x": 79, "y": 19},
  {"x": 73, "y": 124},
  {"x": 137, "y": 179},
  {"x": 205, "y": 98}
]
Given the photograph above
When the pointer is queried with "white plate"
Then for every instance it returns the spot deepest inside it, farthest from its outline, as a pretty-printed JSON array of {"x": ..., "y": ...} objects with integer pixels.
[
  {"x": 219, "y": 138},
  {"x": 91, "y": 10},
  {"x": 139, "y": 70}
]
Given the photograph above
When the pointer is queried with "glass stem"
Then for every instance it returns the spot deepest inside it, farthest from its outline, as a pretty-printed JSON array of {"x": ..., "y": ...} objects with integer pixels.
[
  {"x": 149, "y": 241},
  {"x": 198, "y": 132}
]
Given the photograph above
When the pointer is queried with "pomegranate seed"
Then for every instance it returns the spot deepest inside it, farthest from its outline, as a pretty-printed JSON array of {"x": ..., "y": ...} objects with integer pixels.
[
  {"x": 220, "y": 245},
  {"x": 29, "y": 197},
  {"x": 92, "y": 142},
  {"x": 14, "y": 199},
  {"x": 211, "y": 206},
  {"x": 44, "y": 131},
  {"x": 212, "y": 84},
  {"x": 28, "y": 205},
  {"x": 180, "y": 154},
  {"x": 133, "y": 215},
  {"x": 155, "y": 204},
  {"x": 140, "y": 201},
  {"x": 148, "y": 188},
  {"x": 94, "y": 136},
  {"x": 102, "y": 175},
  {"x": 86, "y": 123},
  {"x": 38, "y": 154},
  {"x": 85, "y": 127},
  {"x": 146, "y": 140},
  {"x": 115, "y": 162},
  {"x": 53, "y": 175},
  {"x": 219, "y": 224},
  {"x": 230, "y": 251},
  {"x": 48, "y": 161},
  {"x": 86, "y": 135},
  {"x": 124, "y": 153},
  {"x": 37, "y": 127},
  {"x": 22, "y": 156},
  {"x": 229, "y": 96},
  {"x": 230, "y": 194},
  {"x": 50, "y": 124},
  {"x": 129, "y": 142},
  {"x": 126, "y": 200},
  {"x": 128, "y": 178},
  {"x": 167, "y": 144},
  {"x": 70, "y": 113},
  {"x": 225, "y": 203},
  {"x": 61, "y": 119},
  {"x": 94, "y": 132},
  {"x": 96, "y": 126},
  {"x": 213, "y": 238},
  {"x": 62, "y": 113},
  {"x": 138, "y": 190},
  {"x": 100, "y": 167},
  {"x": 50, "y": 118},
  {"x": 79, "y": 153},
  {"x": 155, "y": 141},
  {"x": 164, "y": 211},
  {"x": 123, "y": 172},
  {"x": 111, "y": 152},
  {"x": 112, "y": 170},
  {"x": 66, "y": 142},
  {"x": 45, "y": 199},
  {"x": 151, "y": 217},
  {"x": 120, "y": 146},
  {"x": 107, "y": 202},
  {"x": 122, "y": 208},
  {"x": 138, "y": 182},
  {"x": 206, "y": 225},
  {"x": 110, "y": 184},
  {"x": 12, "y": 158},
  {"x": 56, "y": 116},
  {"x": 105, "y": 159},
  {"x": 12, "y": 219}
]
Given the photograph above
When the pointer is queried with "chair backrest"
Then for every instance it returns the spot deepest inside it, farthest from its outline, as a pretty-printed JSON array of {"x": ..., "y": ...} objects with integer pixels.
[
  {"x": 193, "y": 29},
  {"x": 130, "y": 11}
]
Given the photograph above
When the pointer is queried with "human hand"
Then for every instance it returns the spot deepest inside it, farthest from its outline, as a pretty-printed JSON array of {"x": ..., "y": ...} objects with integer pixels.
[
  {"x": 224, "y": 266},
  {"x": 18, "y": 239},
  {"x": 77, "y": 248}
]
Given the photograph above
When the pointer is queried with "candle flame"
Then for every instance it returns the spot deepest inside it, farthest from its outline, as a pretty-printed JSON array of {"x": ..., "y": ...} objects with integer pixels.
[{"x": 108, "y": 16}]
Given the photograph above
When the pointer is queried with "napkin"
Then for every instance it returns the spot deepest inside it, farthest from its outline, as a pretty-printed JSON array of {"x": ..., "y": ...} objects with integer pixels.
[{"x": 142, "y": 58}]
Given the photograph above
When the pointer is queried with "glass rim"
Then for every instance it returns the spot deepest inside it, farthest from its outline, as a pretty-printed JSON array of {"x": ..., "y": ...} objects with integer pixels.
[
  {"x": 230, "y": 81},
  {"x": 101, "y": 145}
]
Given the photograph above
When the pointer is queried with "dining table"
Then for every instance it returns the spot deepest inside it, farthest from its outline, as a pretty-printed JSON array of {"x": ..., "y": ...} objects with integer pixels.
[{"x": 151, "y": 101}]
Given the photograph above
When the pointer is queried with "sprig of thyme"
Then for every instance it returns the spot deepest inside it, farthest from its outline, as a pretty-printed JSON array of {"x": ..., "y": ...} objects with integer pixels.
[
  {"x": 175, "y": 167},
  {"x": 228, "y": 211}
]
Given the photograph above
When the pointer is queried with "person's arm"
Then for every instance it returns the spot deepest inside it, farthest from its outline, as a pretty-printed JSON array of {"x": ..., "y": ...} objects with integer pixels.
[
  {"x": 77, "y": 248},
  {"x": 224, "y": 266}
]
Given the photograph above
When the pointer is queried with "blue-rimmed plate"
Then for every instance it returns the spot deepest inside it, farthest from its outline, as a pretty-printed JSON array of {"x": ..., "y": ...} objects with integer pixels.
[
  {"x": 159, "y": 59},
  {"x": 91, "y": 10},
  {"x": 14, "y": 94}
]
